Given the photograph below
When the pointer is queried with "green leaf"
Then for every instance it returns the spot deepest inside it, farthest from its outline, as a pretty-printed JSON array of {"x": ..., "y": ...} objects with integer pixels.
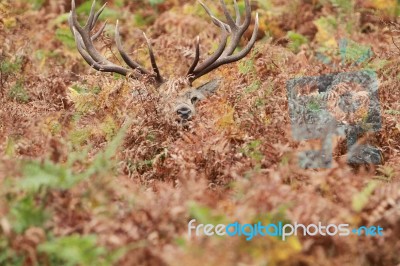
[
  {"x": 47, "y": 175},
  {"x": 345, "y": 6},
  {"x": 204, "y": 214},
  {"x": 36, "y": 4},
  {"x": 252, "y": 150},
  {"x": 246, "y": 66},
  {"x": 60, "y": 19},
  {"x": 156, "y": 2},
  {"x": 78, "y": 137},
  {"x": 10, "y": 67},
  {"x": 65, "y": 36},
  {"x": 24, "y": 214},
  {"x": 75, "y": 250},
  {"x": 295, "y": 41},
  {"x": 353, "y": 52},
  {"x": 255, "y": 85},
  {"x": 103, "y": 162},
  {"x": 18, "y": 93}
]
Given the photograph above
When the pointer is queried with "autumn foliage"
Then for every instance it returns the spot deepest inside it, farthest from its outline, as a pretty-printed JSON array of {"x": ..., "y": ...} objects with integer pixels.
[{"x": 92, "y": 174}]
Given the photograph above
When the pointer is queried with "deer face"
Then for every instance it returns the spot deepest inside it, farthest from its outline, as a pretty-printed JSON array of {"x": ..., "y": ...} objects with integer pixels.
[
  {"x": 178, "y": 99},
  {"x": 179, "y": 95},
  {"x": 183, "y": 106}
]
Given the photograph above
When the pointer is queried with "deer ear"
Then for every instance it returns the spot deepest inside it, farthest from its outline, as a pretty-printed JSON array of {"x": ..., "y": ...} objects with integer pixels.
[{"x": 209, "y": 88}]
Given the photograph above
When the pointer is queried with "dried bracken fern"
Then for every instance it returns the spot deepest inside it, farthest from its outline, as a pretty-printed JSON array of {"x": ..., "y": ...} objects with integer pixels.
[{"x": 70, "y": 179}]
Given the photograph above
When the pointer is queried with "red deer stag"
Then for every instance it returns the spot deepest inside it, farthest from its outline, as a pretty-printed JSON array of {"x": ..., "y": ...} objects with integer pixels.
[{"x": 181, "y": 97}]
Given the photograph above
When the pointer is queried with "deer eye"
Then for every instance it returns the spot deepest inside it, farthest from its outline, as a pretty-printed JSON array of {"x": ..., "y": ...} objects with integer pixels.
[{"x": 194, "y": 100}]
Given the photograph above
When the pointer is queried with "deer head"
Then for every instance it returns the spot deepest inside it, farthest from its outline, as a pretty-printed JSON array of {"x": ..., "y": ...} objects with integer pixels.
[{"x": 183, "y": 97}]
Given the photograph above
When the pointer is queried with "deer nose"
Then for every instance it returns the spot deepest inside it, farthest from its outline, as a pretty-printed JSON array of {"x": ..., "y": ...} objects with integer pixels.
[{"x": 184, "y": 112}]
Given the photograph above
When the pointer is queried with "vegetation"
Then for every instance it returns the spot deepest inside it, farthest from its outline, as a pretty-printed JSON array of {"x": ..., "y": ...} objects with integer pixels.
[{"x": 91, "y": 174}]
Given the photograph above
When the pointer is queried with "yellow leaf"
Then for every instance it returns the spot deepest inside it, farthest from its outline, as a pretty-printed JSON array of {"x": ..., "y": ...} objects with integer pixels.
[
  {"x": 327, "y": 27},
  {"x": 84, "y": 102},
  {"x": 10, "y": 147},
  {"x": 73, "y": 94},
  {"x": 267, "y": 120},
  {"x": 283, "y": 250},
  {"x": 384, "y": 4},
  {"x": 10, "y": 22},
  {"x": 227, "y": 118},
  {"x": 360, "y": 199}
]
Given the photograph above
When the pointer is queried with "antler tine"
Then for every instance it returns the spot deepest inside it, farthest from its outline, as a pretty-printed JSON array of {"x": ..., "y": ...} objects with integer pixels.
[
  {"x": 237, "y": 11},
  {"x": 159, "y": 78},
  {"x": 224, "y": 55},
  {"x": 90, "y": 20},
  {"x": 216, "y": 21},
  {"x": 233, "y": 58},
  {"x": 225, "y": 29},
  {"x": 92, "y": 62},
  {"x": 238, "y": 32},
  {"x": 216, "y": 54},
  {"x": 196, "y": 57},
  {"x": 99, "y": 32},
  {"x": 98, "y": 13},
  {"x": 84, "y": 43},
  {"x": 132, "y": 64},
  {"x": 85, "y": 36},
  {"x": 247, "y": 19},
  {"x": 245, "y": 50},
  {"x": 228, "y": 16},
  {"x": 94, "y": 21}
]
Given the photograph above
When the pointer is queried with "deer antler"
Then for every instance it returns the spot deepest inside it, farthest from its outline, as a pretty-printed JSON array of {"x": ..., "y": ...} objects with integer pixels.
[
  {"x": 224, "y": 55},
  {"x": 84, "y": 43}
]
